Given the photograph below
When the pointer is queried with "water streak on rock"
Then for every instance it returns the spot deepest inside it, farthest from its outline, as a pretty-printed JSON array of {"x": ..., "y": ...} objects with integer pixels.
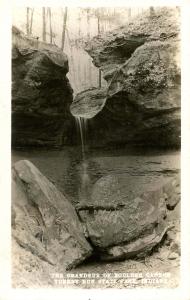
[
  {"x": 82, "y": 127},
  {"x": 85, "y": 179}
]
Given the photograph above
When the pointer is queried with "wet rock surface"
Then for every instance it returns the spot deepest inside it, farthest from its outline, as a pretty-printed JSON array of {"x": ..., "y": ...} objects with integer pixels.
[
  {"x": 141, "y": 64},
  {"x": 88, "y": 103},
  {"x": 44, "y": 222},
  {"x": 41, "y": 94}
]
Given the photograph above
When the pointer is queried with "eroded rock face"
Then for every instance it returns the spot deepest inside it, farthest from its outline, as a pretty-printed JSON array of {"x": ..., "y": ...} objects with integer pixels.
[
  {"x": 126, "y": 217},
  {"x": 141, "y": 64},
  {"x": 112, "y": 49},
  {"x": 43, "y": 221},
  {"x": 88, "y": 103},
  {"x": 41, "y": 94}
]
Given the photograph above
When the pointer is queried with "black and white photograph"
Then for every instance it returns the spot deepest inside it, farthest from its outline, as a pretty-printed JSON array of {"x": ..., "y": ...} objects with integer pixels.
[{"x": 96, "y": 147}]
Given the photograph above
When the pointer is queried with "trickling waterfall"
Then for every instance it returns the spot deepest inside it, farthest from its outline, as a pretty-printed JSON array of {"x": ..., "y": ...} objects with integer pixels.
[
  {"x": 85, "y": 179},
  {"x": 82, "y": 126}
]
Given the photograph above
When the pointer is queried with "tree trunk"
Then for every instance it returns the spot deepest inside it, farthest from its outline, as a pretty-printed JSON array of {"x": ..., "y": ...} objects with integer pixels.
[
  {"x": 151, "y": 11},
  {"x": 88, "y": 24},
  {"x": 50, "y": 26},
  {"x": 98, "y": 23},
  {"x": 44, "y": 24},
  {"x": 129, "y": 13},
  {"x": 27, "y": 20},
  {"x": 99, "y": 73},
  {"x": 64, "y": 29},
  {"x": 31, "y": 21},
  {"x": 72, "y": 63},
  {"x": 79, "y": 25}
]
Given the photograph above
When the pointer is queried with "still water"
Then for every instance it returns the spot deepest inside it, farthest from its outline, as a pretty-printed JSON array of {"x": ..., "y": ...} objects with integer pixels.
[{"x": 75, "y": 176}]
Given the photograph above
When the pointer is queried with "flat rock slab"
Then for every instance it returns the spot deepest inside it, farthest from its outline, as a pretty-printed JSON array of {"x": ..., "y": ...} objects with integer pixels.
[
  {"x": 44, "y": 222},
  {"x": 88, "y": 103}
]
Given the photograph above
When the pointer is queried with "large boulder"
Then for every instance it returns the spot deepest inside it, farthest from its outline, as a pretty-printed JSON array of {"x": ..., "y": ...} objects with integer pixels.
[
  {"x": 127, "y": 213},
  {"x": 141, "y": 64},
  {"x": 41, "y": 94},
  {"x": 44, "y": 222}
]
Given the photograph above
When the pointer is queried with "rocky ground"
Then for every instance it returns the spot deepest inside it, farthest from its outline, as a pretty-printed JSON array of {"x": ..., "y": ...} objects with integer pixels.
[{"x": 165, "y": 258}]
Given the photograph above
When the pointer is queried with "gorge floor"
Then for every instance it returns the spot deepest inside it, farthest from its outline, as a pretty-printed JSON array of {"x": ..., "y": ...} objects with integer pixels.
[{"x": 63, "y": 168}]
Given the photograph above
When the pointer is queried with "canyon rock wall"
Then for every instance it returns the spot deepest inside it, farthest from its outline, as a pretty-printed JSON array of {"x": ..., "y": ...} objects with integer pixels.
[
  {"x": 140, "y": 62},
  {"x": 41, "y": 94}
]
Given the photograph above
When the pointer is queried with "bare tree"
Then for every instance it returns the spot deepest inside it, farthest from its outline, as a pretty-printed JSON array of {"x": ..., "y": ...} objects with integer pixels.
[
  {"x": 88, "y": 23},
  {"x": 64, "y": 29},
  {"x": 129, "y": 13},
  {"x": 152, "y": 12},
  {"x": 72, "y": 64},
  {"x": 99, "y": 72},
  {"x": 50, "y": 25},
  {"x": 44, "y": 24},
  {"x": 79, "y": 25},
  {"x": 27, "y": 20},
  {"x": 31, "y": 20},
  {"x": 98, "y": 18}
]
